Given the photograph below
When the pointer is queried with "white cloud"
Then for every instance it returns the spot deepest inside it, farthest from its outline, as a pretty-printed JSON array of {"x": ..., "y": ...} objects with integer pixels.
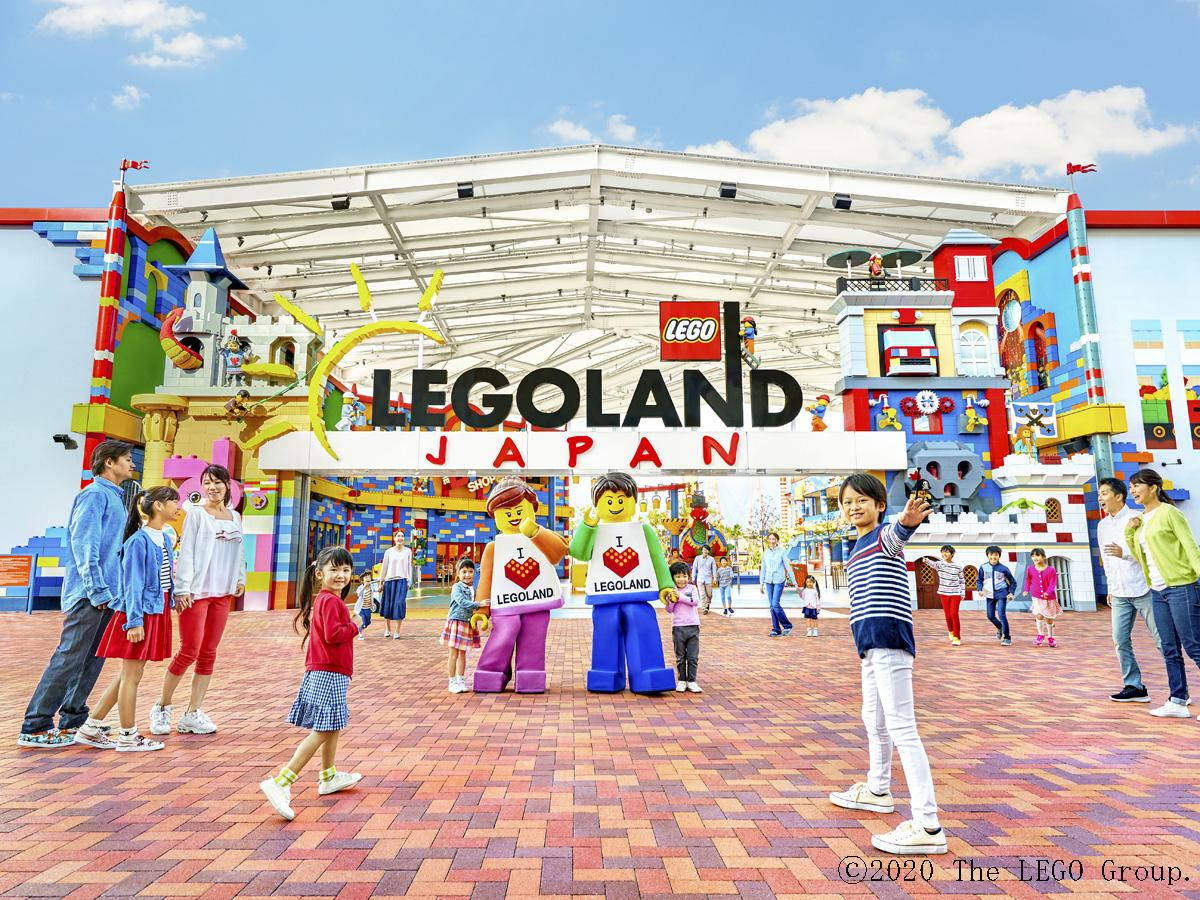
[
  {"x": 185, "y": 50},
  {"x": 566, "y": 130},
  {"x": 7, "y": 97},
  {"x": 905, "y": 131},
  {"x": 619, "y": 129},
  {"x": 141, "y": 17},
  {"x": 130, "y": 97}
]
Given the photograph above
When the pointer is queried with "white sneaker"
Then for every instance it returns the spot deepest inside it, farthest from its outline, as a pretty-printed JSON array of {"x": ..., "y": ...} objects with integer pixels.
[
  {"x": 339, "y": 782},
  {"x": 135, "y": 743},
  {"x": 279, "y": 797},
  {"x": 680, "y": 687},
  {"x": 859, "y": 796},
  {"x": 160, "y": 719},
  {"x": 910, "y": 838},
  {"x": 94, "y": 737},
  {"x": 196, "y": 723},
  {"x": 1171, "y": 710},
  {"x": 694, "y": 688}
]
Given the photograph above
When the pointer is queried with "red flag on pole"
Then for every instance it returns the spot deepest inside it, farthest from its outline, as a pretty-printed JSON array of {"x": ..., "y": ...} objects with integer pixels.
[
  {"x": 1081, "y": 168},
  {"x": 127, "y": 164}
]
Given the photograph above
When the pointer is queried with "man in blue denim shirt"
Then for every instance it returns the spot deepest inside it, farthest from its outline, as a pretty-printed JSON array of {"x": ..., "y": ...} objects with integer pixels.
[{"x": 90, "y": 585}]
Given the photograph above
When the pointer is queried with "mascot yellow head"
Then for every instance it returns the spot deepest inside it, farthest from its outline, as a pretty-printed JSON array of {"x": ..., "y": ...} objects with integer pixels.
[
  {"x": 614, "y": 495},
  {"x": 512, "y": 503}
]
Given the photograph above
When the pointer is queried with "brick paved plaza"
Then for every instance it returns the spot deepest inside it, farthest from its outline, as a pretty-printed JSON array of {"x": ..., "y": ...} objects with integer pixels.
[{"x": 608, "y": 796}]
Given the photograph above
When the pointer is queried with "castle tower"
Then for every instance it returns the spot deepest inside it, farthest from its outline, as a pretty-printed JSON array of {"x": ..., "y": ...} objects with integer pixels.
[{"x": 206, "y": 303}]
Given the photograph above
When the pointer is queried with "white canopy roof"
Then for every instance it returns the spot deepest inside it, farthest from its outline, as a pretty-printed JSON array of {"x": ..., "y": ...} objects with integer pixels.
[{"x": 560, "y": 256}]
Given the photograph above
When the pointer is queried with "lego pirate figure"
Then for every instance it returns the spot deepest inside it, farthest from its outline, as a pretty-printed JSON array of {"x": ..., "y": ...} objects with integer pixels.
[
  {"x": 626, "y": 573},
  {"x": 748, "y": 332},
  {"x": 236, "y": 408},
  {"x": 818, "y": 412},
  {"x": 518, "y": 576},
  {"x": 233, "y": 351}
]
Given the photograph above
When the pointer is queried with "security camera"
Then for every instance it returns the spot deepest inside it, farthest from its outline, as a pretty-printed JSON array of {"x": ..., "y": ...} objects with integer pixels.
[{"x": 66, "y": 440}]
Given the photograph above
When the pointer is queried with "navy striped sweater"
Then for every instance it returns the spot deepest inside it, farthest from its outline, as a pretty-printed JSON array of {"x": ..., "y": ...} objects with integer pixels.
[{"x": 880, "y": 601}]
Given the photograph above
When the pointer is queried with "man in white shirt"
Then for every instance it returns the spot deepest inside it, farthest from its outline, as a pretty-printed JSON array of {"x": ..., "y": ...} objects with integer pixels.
[{"x": 1128, "y": 593}]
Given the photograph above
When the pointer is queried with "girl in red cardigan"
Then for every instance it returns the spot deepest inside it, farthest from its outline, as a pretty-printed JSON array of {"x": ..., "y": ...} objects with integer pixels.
[{"x": 329, "y": 664}]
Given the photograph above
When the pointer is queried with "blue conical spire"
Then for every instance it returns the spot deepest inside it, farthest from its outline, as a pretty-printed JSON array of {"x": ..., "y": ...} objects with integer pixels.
[{"x": 207, "y": 257}]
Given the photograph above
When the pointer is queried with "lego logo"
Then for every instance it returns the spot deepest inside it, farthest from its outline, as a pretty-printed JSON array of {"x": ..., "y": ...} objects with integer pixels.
[{"x": 690, "y": 330}]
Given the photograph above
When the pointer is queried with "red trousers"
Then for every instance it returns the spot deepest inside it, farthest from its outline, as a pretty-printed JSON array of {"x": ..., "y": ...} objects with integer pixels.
[
  {"x": 200, "y": 630},
  {"x": 950, "y": 608}
]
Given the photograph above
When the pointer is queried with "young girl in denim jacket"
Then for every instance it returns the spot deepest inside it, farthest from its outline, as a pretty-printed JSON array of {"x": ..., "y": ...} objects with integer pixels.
[{"x": 140, "y": 629}]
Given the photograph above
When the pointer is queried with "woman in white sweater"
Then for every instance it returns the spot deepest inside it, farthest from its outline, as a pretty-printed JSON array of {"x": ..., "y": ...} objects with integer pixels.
[
  {"x": 394, "y": 575},
  {"x": 210, "y": 571}
]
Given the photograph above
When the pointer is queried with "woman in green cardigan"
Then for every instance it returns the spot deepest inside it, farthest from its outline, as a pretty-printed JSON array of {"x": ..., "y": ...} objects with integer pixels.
[{"x": 1162, "y": 542}]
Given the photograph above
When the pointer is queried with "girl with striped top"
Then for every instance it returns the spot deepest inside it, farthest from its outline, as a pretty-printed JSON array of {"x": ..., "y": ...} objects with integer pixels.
[
  {"x": 952, "y": 587},
  {"x": 140, "y": 629},
  {"x": 882, "y": 623}
]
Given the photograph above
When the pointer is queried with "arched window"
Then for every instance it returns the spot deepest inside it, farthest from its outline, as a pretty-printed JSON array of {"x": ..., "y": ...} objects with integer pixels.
[
  {"x": 974, "y": 354},
  {"x": 1053, "y": 511}
]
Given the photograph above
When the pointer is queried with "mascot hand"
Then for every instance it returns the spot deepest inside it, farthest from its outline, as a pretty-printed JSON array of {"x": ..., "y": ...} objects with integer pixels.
[
  {"x": 529, "y": 527},
  {"x": 590, "y": 517},
  {"x": 667, "y": 595},
  {"x": 481, "y": 620}
]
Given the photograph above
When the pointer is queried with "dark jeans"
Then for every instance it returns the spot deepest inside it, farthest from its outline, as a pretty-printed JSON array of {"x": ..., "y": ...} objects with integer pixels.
[
  {"x": 687, "y": 650},
  {"x": 997, "y": 615},
  {"x": 1177, "y": 616},
  {"x": 71, "y": 673},
  {"x": 779, "y": 619}
]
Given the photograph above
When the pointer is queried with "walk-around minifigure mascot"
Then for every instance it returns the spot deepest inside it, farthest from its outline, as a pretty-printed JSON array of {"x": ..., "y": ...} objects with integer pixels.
[
  {"x": 517, "y": 575},
  {"x": 626, "y": 573}
]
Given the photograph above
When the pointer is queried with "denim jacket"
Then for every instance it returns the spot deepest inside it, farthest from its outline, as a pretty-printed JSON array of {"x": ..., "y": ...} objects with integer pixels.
[
  {"x": 462, "y": 602},
  {"x": 141, "y": 589},
  {"x": 92, "y": 564}
]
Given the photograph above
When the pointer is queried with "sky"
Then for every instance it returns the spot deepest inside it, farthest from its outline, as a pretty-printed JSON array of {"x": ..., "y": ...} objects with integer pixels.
[{"x": 214, "y": 88}]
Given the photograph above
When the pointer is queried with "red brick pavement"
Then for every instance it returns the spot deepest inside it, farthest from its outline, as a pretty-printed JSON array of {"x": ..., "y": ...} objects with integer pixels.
[{"x": 572, "y": 793}]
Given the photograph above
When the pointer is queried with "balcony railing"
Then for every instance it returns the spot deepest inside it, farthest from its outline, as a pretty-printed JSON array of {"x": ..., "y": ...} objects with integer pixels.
[{"x": 893, "y": 285}]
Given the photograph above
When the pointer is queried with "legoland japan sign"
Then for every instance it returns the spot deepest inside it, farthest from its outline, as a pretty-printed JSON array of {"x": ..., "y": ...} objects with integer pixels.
[{"x": 688, "y": 331}]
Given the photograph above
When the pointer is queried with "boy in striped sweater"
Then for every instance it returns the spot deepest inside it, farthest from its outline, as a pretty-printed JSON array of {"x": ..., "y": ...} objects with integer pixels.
[
  {"x": 882, "y": 623},
  {"x": 952, "y": 587}
]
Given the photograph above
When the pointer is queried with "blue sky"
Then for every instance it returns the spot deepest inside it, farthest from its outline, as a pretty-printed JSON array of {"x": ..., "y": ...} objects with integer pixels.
[{"x": 213, "y": 88}]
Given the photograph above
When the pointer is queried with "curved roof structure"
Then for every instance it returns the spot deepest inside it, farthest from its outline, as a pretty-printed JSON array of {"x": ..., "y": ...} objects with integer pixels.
[{"x": 562, "y": 255}]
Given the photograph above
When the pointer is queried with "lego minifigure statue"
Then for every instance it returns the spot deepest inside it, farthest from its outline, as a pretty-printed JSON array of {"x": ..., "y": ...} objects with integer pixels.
[
  {"x": 748, "y": 333},
  {"x": 233, "y": 352},
  {"x": 818, "y": 409},
  {"x": 236, "y": 408}
]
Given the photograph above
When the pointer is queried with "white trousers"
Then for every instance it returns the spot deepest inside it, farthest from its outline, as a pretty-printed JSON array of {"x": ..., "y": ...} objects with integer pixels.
[{"x": 891, "y": 721}]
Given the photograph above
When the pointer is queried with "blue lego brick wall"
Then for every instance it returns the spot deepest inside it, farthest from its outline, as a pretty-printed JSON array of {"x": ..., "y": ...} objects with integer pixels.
[{"x": 50, "y": 550}]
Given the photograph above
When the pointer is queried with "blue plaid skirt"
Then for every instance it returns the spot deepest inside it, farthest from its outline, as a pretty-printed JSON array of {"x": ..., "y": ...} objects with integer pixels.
[{"x": 321, "y": 703}]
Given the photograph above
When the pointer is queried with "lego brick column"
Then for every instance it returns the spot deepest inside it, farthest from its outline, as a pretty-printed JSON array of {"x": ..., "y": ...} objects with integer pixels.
[
  {"x": 290, "y": 523},
  {"x": 258, "y": 526}
]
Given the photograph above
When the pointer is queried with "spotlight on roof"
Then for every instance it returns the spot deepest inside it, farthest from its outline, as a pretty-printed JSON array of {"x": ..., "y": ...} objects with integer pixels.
[
  {"x": 841, "y": 201},
  {"x": 728, "y": 190},
  {"x": 466, "y": 190},
  {"x": 340, "y": 203}
]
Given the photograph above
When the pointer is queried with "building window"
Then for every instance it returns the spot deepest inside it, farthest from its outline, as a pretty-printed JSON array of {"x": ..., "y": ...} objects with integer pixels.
[
  {"x": 971, "y": 577},
  {"x": 1053, "y": 511},
  {"x": 974, "y": 355},
  {"x": 970, "y": 268}
]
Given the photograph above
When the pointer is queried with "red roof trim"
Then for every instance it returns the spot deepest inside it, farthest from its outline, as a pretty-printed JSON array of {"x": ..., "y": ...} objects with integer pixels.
[
  {"x": 1102, "y": 218},
  {"x": 25, "y": 216}
]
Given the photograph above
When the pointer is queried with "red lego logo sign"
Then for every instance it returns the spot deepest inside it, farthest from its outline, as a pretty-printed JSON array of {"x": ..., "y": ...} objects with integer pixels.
[{"x": 689, "y": 330}]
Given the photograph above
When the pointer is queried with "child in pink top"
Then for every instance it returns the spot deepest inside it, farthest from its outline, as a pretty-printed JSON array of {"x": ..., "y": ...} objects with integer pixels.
[
  {"x": 1041, "y": 584},
  {"x": 685, "y": 628}
]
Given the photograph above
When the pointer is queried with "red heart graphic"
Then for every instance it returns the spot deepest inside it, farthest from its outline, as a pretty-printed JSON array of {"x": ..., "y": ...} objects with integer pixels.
[
  {"x": 621, "y": 561},
  {"x": 522, "y": 573}
]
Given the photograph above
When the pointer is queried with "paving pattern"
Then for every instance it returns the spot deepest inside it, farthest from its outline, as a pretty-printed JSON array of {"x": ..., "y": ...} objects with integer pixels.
[{"x": 573, "y": 794}]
